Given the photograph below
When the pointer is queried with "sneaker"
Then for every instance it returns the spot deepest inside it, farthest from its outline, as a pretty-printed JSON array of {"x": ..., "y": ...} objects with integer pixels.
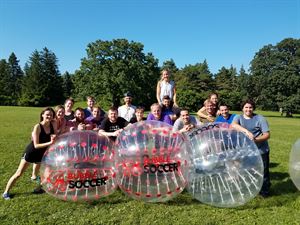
[{"x": 6, "y": 196}]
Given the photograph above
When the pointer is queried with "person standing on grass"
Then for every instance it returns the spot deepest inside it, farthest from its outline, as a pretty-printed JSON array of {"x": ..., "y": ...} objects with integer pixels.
[
  {"x": 60, "y": 123},
  {"x": 127, "y": 110},
  {"x": 44, "y": 134},
  {"x": 257, "y": 129}
]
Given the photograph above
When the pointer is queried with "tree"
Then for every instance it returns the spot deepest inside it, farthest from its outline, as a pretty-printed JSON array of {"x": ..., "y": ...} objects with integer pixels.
[
  {"x": 68, "y": 85},
  {"x": 53, "y": 81},
  {"x": 275, "y": 75},
  {"x": 42, "y": 82},
  {"x": 228, "y": 87},
  {"x": 5, "y": 97},
  {"x": 113, "y": 67},
  {"x": 32, "y": 89},
  {"x": 194, "y": 83},
  {"x": 170, "y": 65},
  {"x": 16, "y": 76},
  {"x": 226, "y": 79}
]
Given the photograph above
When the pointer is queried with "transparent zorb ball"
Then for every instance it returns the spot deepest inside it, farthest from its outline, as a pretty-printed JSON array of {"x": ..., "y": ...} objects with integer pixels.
[
  {"x": 294, "y": 164},
  {"x": 227, "y": 167},
  {"x": 151, "y": 161},
  {"x": 79, "y": 166}
]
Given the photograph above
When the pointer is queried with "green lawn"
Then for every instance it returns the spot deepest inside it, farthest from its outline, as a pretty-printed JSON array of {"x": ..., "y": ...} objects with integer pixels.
[{"x": 283, "y": 207}]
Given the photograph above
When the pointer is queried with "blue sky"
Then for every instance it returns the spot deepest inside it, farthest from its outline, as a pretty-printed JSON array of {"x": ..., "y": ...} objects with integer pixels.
[{"x": 224, "y": 32}]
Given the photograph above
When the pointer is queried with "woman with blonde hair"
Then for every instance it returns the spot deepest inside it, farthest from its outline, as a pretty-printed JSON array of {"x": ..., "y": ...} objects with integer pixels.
[{"x": 164, "y": 87}]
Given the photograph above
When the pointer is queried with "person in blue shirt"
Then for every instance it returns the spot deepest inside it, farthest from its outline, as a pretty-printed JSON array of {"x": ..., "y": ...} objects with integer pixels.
[
  {"x": 225, "y": 116},
  {"x": 257, "y": 129}
]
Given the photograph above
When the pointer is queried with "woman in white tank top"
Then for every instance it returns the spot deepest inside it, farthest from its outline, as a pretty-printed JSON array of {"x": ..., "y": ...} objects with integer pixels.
[{"x": 166, "y": 87}]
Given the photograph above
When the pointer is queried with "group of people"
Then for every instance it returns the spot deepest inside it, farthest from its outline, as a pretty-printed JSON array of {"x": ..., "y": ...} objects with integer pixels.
[{"x": 64, "y": 119}]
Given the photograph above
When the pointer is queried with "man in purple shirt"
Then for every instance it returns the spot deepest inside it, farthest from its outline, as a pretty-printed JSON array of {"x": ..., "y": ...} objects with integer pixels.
[{"x": 156, "y": 114}]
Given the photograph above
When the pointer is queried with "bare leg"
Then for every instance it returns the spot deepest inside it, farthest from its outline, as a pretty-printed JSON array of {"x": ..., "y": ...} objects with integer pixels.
[
  {"x": 35, "y": 171},
  {"x": 22, "y": 167}
]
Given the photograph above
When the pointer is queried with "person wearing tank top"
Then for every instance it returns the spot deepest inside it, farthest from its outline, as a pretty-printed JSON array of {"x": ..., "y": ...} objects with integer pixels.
[
  {"x": 166, "y": 87},
  {"x": 69, "y": 113},
  {"x": 43, "y": 135}
]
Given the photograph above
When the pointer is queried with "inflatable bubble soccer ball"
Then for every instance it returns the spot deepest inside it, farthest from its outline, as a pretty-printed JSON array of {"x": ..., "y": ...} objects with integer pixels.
[
  {"x": 151, "y": 161},
  {"x": 79, "y": 166},
  {"x": 227, "y": 167},
  {"x": 294, "y": 165}
]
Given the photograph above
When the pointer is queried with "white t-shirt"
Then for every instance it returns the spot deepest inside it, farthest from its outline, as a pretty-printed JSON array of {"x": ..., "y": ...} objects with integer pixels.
[
  {"x": 166, "y": 88},
  {"x": 127, "y": 112},
  {"x": 178, "y": 125}
]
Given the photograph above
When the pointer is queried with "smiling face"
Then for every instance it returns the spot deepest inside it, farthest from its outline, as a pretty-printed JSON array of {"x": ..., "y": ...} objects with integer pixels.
[
  {"x": 166, "y": 103},
  {"x": 248, "y": 110},
  {"x": 96, "y": 112},
  {"x": 214, "y": 99},
  {"x": 112, "y": 115},
  {"x": 185, "y": 116},
  {"x": 139, "y": 113},
  {"x": 79, "y": 115},
  {"x": 127, "y": 100},
  {"x": 47, "y": 116},
  {"x": 224, "y": 111},
  {"x": 69, "y": 105},
  {"x": 165, "y": 75},
  {"x": 60, "y": 113},
  {"x": 156, "y": 111},
  {"x": 210, "y": 108},
  {"x": 90, "y": 102}
]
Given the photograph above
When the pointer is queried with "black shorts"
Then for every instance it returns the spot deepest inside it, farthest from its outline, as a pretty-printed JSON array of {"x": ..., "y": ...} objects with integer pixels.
[{"x": 32, "y": 154}]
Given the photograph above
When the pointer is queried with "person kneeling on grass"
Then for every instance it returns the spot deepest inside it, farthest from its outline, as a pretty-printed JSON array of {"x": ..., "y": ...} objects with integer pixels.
[
  {"x": 185, "y": 122},
  {"x": 44, "y": 134}
]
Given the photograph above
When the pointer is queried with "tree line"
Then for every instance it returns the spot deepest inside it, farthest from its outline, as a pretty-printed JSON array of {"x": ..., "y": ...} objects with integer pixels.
[{"x": 114, "y": 67}]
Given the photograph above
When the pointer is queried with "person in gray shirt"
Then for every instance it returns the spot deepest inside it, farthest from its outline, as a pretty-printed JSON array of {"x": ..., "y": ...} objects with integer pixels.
[
  {"x": 257, "y": 129},
  {"x": 185, "y": 122}
]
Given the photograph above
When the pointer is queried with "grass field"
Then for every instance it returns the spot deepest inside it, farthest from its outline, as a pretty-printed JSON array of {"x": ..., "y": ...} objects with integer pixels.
[{"x": 283, "y": 207}]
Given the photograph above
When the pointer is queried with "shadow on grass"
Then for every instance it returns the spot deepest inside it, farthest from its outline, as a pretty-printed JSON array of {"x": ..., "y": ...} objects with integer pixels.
[
  {"x": 283, "y": 187},
  {"x": 273, "y": 165},
  {"x": 278, "y": 176},
  {"x": 282, "y": 184}
]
